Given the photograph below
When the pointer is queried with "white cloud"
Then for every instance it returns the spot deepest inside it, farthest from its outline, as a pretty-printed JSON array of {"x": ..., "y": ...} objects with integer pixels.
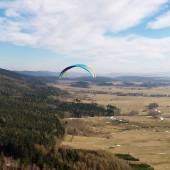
[
  {"x": 11, "y": 13},
  {"x": 161, "y": 22},
  {"x": 76, "y": 28}
]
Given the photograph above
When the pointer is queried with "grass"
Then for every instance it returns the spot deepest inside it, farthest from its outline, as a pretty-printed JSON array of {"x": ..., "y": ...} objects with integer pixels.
[
  {"x": 143, "y": 138},
  {"x": 126, "y": 103},
  {"x": 144, "y": 143}
]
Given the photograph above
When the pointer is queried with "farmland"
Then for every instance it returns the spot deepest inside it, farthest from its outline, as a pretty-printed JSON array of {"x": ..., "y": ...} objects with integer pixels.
[
  {"x": 146, "y": 139},
  {"x": 141, "y": 136}
]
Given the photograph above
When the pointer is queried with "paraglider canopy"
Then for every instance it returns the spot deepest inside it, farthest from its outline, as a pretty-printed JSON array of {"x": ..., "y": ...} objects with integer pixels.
[{"x": 87, "y": 68}]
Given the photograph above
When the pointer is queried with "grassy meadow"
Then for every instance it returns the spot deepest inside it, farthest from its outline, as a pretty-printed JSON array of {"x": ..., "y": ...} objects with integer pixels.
[
  {"x": 144, "y": 138},
  {"x": 125, "y": 103}
]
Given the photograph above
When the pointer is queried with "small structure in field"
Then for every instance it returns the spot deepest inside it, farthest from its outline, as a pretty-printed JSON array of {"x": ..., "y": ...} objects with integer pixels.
[
  {"x": 161, "y": 118},
  {"x": 114, "y": 120}
]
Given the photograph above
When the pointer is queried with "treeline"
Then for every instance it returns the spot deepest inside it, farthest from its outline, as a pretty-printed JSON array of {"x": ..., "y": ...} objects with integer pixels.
[
  {"x": 104, "y": 84},
  {"x": 71, "y": 159},
  {"x": 86, "y": 109},
  {"x": 82, "y": 84}
]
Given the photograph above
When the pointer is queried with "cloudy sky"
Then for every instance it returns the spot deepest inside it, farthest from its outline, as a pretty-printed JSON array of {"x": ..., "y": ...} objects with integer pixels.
[{"x": 109, "y": 35}]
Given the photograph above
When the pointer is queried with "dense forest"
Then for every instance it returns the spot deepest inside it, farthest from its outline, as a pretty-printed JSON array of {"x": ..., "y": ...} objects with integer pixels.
[
  {"x": 31, "y": 130},
  {"x": 27, "y": 122}
]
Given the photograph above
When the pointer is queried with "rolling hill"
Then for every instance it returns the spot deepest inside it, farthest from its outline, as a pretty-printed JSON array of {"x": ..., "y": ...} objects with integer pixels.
[{"x": 31, "y": 130}]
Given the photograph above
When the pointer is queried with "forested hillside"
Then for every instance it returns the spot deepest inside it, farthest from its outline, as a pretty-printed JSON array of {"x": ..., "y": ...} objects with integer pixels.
[
  {"x": 26, "y": 118},
  {"x": 31, "y": 130}
]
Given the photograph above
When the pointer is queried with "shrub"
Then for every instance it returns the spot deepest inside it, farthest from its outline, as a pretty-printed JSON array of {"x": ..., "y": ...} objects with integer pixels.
[{"x": 153, "y": 105}]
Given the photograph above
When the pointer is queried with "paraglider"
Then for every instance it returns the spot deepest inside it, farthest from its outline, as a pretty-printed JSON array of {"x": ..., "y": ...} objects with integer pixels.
[{"x": 87, "y": 68}]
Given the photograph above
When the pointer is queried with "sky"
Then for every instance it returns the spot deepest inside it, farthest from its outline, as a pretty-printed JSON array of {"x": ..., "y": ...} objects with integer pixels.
[{"x": 126, "y": 36}]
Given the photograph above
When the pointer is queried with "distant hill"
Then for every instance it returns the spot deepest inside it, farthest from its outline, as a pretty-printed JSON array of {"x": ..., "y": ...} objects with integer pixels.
[
  {"x": 38, "y": 73},
  {"x": 156, "y": 74},
  {"x": 18, "y": 76},
  {"x": 30, "y": 77},
  {"x": 142, "y": 79},
  {"x": 69, "y": 74},
  {"x": 91, "y": 79},
  {"x": 135, "y": 78},
  {"x": 12, "y": 74},
  {"x": 101, "y": 80},
  {"x": 114, "y": 74},
  {"x": 52, "y": 77},
  {"x": 47, "y": 76}
]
